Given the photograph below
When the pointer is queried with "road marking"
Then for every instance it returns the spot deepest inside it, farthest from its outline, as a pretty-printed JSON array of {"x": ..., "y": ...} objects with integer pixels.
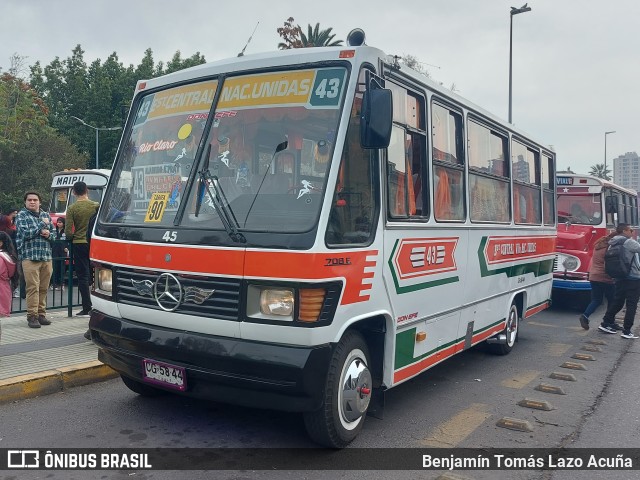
[
  {"x": 557, "y": 349},
  {"x": 458, "y": 427},
  {"x": 521, "y": 380}
]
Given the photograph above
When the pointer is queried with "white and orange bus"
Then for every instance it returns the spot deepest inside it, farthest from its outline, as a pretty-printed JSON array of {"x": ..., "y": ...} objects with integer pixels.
[
  {"x": 588, "y": 208},
  {"x": 305, "y": 229},
  {"x": 62, "y": 183}
]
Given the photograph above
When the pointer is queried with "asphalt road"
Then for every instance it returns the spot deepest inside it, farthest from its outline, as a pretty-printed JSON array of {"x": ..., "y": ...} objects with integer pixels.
[{"x": 456, "y": 404}]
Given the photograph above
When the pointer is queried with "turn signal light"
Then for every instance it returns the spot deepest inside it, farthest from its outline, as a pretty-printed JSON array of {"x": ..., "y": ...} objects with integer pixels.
[{"x": 311, "y": 301}]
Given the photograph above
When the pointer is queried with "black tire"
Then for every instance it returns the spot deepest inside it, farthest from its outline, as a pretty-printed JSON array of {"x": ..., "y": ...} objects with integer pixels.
[
  {"x": 141, "y": 388},
  {"x": 346, "y": 397},
  {"x": 510, "y": 331}
]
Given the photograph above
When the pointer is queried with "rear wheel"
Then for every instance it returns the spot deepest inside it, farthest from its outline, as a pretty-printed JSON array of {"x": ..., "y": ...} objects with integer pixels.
[
  {"x": 510, "y": 332},
  {"x": 141, "y": 388},
  {"x": 347, "y": 395}
]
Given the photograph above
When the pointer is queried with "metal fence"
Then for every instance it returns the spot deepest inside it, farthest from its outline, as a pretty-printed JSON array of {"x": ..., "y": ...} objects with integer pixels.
[{"x": 63, "y": 290}]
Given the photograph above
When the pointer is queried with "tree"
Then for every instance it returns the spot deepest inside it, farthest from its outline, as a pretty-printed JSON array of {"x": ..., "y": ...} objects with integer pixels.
[
  {"x": 293, "y": 36},
  {"x": 98, "y": 93},
  {"x": 30, "y": 150},
  {"x": 319, "y": 38},
  {"x": 598, "y": 170},
  {"x": 290, "y": 34}
]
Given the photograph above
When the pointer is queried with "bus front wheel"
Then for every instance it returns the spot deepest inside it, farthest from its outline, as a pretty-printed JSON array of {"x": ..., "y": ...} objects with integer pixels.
[{"x": 347, "y": 395}]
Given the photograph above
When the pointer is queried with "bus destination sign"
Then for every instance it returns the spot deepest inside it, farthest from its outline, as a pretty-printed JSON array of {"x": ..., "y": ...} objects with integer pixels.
[{"x": 564, "y": 180}]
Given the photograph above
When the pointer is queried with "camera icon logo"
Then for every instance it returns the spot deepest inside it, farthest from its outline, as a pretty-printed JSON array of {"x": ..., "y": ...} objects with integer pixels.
[{"x": 23, "y": 459}]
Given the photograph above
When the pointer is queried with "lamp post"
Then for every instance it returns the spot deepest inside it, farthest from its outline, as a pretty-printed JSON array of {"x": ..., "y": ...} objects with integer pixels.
[
  {"x": 97, "y": 129},
  {"x": 605, "y": 152},
  {"x": 514, "y": 11}
]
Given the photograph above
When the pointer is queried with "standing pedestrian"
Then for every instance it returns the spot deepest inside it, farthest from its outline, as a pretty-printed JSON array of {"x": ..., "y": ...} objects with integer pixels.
[
  {"x": 8, "y": 273},
  {"x": 78, "y": 216},
  {"x": 628, "y": 288},
  {"x": 8, "y": 225},
  {"x": 33, "y": 227},
  {"x": 602, "y": 285},
  {"x": 60, "y": 254}
]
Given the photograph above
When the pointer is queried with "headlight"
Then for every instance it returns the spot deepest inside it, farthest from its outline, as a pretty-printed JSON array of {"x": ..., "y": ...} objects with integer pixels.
[
  {"x": 570, "y": 263},
  {"x": 277, "y": 302},
  {"x": 103, "y": 277}
]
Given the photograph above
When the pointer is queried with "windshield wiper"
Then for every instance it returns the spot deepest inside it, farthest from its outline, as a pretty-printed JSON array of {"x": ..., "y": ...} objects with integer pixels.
[
  {"x": 219, "y": 200},
  {"x": 279, "y": 148}
]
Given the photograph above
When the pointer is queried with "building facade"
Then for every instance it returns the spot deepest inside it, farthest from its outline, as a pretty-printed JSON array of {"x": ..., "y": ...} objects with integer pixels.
[{"x": 626, "y": 170}]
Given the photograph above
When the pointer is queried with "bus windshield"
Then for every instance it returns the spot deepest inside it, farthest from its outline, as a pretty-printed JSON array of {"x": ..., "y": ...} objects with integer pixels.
[
  {"x": 268, "y": 150},
  {"x": 582, "y": 209}
]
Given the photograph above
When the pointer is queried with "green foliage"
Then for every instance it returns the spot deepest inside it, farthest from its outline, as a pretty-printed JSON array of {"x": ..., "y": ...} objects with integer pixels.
[
  {"x": 38, "y": 135},
  {"x": 293, "y": 36},
  {"x": 599, "y": 170}
]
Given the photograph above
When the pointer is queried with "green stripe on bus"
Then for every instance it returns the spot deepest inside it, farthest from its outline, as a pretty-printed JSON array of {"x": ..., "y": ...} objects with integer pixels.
[
  {"x": 405, "y": 342},
  {"x": 538, "y": 268}
]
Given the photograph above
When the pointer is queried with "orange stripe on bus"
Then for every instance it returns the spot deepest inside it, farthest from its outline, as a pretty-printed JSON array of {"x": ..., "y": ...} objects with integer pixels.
[
  {"x": 537, "y": 309},
  {"x": 250, "y": 263},
  {"x": 425, "y": 363}
]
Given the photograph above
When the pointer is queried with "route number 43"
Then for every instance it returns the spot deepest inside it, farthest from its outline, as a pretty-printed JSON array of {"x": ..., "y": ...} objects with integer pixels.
[
  {"x": 170, "y": 236},
  {"x": 328, "y": 88}
]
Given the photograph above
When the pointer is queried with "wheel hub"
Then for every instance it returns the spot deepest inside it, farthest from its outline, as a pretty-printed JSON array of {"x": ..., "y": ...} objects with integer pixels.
[{"x": 356, "y": 390}]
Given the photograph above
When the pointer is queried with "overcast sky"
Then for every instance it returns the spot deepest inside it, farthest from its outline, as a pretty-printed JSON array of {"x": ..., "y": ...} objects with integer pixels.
[{"x": 576, "y": 64}]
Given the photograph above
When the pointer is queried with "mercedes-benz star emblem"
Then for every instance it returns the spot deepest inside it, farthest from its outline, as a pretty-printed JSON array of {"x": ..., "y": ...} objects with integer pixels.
[{"x": 168, "y": 292}]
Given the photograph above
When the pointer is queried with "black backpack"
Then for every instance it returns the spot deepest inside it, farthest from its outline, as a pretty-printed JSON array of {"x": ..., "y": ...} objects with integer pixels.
[{"x": 615, "y": 264}]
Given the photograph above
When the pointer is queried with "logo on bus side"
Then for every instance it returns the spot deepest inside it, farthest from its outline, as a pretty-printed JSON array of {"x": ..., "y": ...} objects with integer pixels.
[{"x": 418, "y": 257}]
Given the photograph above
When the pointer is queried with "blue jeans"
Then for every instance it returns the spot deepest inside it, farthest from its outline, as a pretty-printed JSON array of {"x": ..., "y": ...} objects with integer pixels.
[{"x": 598, "y": 291}]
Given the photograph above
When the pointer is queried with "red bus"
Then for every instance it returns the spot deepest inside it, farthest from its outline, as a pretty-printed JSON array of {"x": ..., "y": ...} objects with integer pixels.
[{"x": 588, "y": 208}]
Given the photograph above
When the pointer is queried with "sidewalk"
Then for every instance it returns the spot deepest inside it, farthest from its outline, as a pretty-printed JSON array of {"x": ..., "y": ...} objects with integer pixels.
[{"x": 39, "y": 361}]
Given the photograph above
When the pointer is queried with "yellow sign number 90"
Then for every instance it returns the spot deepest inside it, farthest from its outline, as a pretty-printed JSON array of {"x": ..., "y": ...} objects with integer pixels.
[{"x": 157, "y": 206}]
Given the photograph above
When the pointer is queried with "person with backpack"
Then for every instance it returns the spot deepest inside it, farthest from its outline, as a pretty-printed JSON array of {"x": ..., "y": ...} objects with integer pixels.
[
  {"x": 602, "y": 285},
  {"x": 622, "y": 264}
]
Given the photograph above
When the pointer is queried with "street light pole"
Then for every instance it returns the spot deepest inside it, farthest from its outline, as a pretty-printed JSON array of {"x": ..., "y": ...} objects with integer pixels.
[
  {"x": 97, "y": 129},
  {"x": 605, "y": 152},
  {"x": 514, "y": 11}
]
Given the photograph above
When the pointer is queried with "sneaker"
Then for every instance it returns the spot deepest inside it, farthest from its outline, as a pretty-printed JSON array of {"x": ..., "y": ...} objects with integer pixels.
[
  {"x": 629, "y": 334},
  {"x": 83, "y": 313},
  {"x": 16, "y": 294},
  {"x": 87, "y": 334},
  {"x": 32, "y": 321},
  {"x": 584, "y": 322},
  {"x": 606, "y": 328},
  {"x": 616, "y": 327},
  {"x": 42, "y": 320}
]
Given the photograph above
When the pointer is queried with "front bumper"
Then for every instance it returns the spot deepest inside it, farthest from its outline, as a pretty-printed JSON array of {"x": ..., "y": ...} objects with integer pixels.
[
  {"x": 572, "y": 285},
  {"x": 241, "y": 372}
]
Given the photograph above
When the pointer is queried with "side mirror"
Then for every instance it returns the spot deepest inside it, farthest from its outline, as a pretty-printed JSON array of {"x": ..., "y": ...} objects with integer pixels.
[{"x": 376, "y": 118}]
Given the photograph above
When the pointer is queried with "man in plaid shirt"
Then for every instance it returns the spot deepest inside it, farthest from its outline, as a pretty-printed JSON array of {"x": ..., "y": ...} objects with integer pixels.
[{"x": 33, "y": 237}]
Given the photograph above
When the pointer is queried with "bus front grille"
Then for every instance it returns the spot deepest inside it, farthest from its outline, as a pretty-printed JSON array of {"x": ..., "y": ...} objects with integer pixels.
[{"x": 201, "y": 295}]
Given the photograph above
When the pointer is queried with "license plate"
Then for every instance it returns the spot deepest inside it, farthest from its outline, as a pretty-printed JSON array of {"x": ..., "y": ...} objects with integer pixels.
[{"x": 169, "y": 376}]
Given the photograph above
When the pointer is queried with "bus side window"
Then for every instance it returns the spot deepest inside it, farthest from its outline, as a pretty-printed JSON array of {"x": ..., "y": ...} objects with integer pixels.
[{"x": 448, "y": 160}]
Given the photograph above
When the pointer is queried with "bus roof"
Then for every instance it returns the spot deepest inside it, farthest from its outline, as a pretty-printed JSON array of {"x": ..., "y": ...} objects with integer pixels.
[
  {"x": 302, "y": 56},
  {"x": 577, "y": 180}
]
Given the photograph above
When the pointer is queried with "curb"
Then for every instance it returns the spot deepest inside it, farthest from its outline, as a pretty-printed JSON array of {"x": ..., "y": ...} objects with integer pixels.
[{"x": 52, "y": 381}]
